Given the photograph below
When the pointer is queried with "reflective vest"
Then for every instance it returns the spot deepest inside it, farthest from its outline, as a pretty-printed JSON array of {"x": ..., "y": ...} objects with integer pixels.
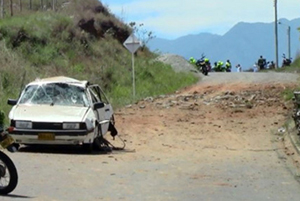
[
  {"x": 228, "y": 64},
  {"x": 192, "y": 60}
]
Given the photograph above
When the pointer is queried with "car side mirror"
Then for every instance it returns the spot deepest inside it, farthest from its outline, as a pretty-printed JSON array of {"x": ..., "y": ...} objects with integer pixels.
[
  {"x": 12, "y": 101},
  {"x": 98, "y": 105}
]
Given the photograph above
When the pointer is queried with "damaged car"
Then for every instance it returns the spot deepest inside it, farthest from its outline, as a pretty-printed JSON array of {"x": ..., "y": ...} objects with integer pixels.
[{"x": 61, "y": 111}]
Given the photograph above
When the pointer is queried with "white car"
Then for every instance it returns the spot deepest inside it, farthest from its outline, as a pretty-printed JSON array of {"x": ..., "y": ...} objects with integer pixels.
[{"x": 61, "y": 111}]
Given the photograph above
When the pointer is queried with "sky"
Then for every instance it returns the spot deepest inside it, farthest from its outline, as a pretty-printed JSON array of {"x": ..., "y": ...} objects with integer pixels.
[{"x": 171, "y": 19}]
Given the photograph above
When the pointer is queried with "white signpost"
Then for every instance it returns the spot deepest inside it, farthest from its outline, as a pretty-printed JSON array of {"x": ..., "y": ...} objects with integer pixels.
[{"x": 132, "y": 44}]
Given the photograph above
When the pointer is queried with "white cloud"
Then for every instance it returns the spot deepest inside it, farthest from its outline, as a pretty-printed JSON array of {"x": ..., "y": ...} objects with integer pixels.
[{"x": 171, "y": 19}]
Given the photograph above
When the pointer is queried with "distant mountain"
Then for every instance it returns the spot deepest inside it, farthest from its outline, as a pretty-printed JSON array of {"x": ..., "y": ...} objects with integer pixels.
[{"x": 243, "y": 43}]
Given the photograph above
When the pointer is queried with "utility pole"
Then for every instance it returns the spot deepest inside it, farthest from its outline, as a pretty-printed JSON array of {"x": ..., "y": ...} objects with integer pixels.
[
  {"x": 276, "y": 35},
  {"x": 20, "y": 5},
  {"x": 289, "y": 41},
  {"x": 11, "y": 8},
  {"x": 2, "y": 9},
  {"x": 288, "y": 38}
]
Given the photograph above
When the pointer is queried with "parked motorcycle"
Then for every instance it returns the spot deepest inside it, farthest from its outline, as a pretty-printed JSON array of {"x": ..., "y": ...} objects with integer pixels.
[
  {"x": 286, "y": 61},
  {"x": 8, "y": 171}
]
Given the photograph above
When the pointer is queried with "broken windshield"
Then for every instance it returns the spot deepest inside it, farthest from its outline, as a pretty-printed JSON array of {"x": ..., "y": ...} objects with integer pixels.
[{"x": 54, "y": 94}]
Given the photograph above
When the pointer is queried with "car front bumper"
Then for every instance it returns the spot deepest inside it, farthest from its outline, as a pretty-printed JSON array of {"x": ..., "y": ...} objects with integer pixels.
[{"x": 50, "y": 137}]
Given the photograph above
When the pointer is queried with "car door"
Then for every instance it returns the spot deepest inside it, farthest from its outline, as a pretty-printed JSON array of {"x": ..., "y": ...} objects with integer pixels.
[{"x": 102, "y": 109}]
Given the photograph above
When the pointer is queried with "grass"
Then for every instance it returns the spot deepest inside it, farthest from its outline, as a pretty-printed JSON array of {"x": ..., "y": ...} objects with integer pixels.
[{"x": 288, "y": 94}]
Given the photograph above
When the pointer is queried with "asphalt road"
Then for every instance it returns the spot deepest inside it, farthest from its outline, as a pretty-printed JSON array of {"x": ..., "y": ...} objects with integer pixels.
[
  {"x": 250, "y": 175},
  {"x": 249, "y": 77}
]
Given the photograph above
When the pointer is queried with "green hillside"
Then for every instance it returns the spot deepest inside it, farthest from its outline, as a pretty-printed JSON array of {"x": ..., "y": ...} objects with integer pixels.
[{"x": 79, "y": 39}]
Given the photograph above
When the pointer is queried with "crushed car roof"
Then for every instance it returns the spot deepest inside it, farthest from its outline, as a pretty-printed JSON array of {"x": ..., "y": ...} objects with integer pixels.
[{"x": 61, "y": 79}]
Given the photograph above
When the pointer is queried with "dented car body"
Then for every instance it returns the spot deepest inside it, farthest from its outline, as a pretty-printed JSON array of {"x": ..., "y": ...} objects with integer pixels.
[{"x": 61, "y": 111}]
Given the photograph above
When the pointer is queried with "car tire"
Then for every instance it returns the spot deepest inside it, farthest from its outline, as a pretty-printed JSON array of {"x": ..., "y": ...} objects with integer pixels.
[{"x": 88, "y": 147}]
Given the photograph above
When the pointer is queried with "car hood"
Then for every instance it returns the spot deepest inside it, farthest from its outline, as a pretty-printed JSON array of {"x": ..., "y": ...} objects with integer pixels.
[{"x": 48, "y": 113}]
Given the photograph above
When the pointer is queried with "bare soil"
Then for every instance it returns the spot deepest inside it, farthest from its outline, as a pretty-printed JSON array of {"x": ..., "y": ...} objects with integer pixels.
[{"x": 219, "y": 113}]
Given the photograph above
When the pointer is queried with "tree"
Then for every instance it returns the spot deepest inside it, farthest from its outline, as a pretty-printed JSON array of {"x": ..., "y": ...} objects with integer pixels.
[
  {"x": 30, "y": 4},
  {"x": 144, "y": 35}
]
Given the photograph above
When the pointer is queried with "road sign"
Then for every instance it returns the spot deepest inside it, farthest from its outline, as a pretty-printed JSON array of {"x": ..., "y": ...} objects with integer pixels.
[{"x": 132, "y": 43}]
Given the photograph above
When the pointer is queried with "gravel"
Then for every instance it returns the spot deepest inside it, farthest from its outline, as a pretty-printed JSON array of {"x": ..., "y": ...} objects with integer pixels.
[
  {"x": 250, "y": 77},
  {"x": 178, "y": 63}
]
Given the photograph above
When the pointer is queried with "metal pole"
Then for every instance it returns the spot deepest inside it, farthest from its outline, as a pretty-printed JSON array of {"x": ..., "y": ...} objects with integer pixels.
[
  {"x": 276, "y": 35},
  {"x": 289, "y": 41},
  {"x": 11, "y": 8},
  {"x": 20, "y": 5},
  {"x": 2, "y": 9},
  {"x": 133, "y": 77}
]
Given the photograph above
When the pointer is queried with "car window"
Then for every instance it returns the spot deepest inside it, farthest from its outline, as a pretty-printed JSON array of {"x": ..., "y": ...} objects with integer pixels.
[
  {"x": 94, "y": 96},
  {"x": 97, "y": 94},
  {"x": 34, "y": 94},
  {"x": 54, "y": 94}
]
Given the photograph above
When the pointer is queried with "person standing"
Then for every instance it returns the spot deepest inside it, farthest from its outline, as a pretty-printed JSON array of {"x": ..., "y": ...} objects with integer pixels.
[
  {"x": 255, "y": 68},
  {"x": 261, "y": 62},
  {"x": 239, "y": 68}
]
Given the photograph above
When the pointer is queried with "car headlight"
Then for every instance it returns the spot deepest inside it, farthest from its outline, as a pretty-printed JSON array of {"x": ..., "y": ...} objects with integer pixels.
[
  {"x": 89, "y": 124},
  {"x": 71, "y": 126},
  {"x": 24, "y": 124}
]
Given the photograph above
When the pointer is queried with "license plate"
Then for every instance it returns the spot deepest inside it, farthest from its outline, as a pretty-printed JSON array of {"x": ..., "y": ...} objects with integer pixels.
[
  {"x": 46, "y": 136},
  {"x": 7, "y": 141}
]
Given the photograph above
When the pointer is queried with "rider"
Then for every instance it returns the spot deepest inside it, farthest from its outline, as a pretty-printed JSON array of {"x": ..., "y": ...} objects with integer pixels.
[
  {"x": 220, "y": 66},
  {"x": 228, "y": 66},
  {"x": 207, "y": 63},
  {"x": 192, "y": 60}
]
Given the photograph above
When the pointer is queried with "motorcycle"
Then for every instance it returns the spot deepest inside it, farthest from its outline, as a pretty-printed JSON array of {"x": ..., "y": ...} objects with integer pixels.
[
  {"x": 203, "y": 66},
  {"x": 8, "y": 171},
  {"x": 286, "y": 61}
]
